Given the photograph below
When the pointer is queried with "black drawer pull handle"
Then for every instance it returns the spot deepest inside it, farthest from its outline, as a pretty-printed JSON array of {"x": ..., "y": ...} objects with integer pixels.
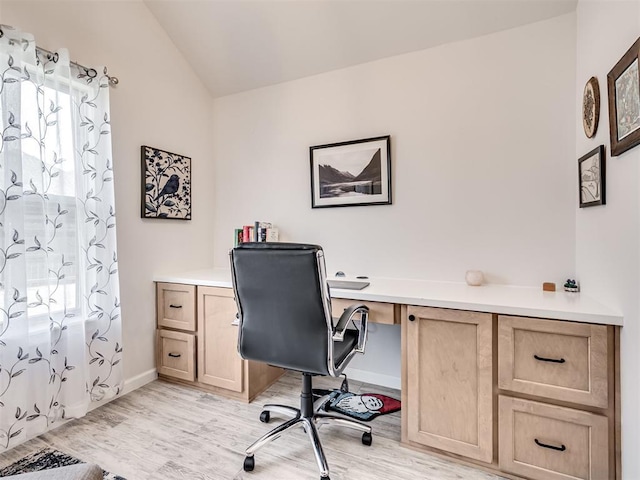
[
  {"x": 175, "y": 306},
  {"x": 552, "y": 447},
  {"x": 412, "y": 318},
  {"x": 553, "y": 360},
  {"x": 174, "y": 355}
]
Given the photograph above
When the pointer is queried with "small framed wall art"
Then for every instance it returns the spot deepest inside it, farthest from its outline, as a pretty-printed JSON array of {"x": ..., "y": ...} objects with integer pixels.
[
  {"x": 591, "y": 107},
  {"x": 166, "y": 184},
  {"x": 353, "y": 173},
  {"x": 592, "y": 178},
  {"x": 623, "y": 85}
]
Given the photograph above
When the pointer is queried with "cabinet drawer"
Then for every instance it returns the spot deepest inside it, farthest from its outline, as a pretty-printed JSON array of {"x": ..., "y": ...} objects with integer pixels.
[
  {"x": 554, "y": 359},
  {"x": 546, "y": 442},
  {"x": 176, "y": 306},
  {"x": 379, "y": 312},
  {"x": 176, "y": 354}
]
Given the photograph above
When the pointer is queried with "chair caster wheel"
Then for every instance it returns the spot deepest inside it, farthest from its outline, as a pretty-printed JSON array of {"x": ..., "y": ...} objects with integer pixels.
[
  {"x": 367, "y": 439},
  {"x": 249, "y": 464},
  {"x": 265, "y": 416}
]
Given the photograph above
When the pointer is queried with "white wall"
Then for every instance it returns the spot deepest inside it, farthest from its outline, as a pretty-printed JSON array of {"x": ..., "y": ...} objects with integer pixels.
[
  {"x": 480, "y": 136},
  {"x": 607, "y": 237},
  {"x": 482, "y": 142},
  {"x": 159, "y": 102}
]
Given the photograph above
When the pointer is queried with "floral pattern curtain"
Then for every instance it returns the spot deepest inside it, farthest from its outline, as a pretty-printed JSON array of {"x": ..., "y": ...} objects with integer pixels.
[{"x": 60, "y": 326}]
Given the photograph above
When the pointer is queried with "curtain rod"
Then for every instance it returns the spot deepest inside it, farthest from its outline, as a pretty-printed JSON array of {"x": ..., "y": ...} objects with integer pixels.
[{"x": 90, "y": 72}]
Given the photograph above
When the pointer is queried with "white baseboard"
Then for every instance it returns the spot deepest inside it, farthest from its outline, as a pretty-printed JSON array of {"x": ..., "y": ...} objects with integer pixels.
[
  {"x": 140, "y": 380},
  {"x": 374, "y": 378},
  {"x": 130, "y": 385}
]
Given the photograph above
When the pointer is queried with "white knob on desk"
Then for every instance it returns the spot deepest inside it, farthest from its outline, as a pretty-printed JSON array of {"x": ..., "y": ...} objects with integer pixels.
[{"x": 474, "y": 278}]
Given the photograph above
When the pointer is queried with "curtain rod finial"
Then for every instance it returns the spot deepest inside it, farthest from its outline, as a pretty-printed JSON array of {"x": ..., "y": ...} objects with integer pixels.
[{"x": 113, "y": 81}]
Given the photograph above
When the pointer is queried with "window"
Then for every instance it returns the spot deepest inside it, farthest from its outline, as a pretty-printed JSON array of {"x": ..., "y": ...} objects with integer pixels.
[{"x": 48, "y": 176}]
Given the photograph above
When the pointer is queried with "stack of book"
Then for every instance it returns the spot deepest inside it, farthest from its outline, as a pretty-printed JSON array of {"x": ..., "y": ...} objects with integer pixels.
[{"x": 258, "y": 232}]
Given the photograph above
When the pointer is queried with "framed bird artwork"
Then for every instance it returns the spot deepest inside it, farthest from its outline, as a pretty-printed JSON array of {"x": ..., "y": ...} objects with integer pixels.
[{"x": 166, "y": 184}]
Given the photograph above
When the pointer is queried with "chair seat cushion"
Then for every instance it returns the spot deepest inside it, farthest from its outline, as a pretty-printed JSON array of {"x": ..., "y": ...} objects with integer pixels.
[{"x": 342, "y": 349}]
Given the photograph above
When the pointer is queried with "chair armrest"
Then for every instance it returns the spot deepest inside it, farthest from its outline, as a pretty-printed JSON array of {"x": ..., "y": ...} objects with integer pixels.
[{"x": 346, "y": 317}]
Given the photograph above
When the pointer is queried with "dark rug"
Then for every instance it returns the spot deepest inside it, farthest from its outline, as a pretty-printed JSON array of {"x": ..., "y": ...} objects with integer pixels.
[
  {"x": 363, "y": 406},
  {"x": 46, "y": 459}
]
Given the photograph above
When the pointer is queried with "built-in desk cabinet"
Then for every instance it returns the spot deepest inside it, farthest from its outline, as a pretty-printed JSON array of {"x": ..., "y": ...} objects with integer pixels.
[
  {"x": 522, "y": 397},
  {"x": 197, "y": 339},
  {"x": 197, "y": 342},
  {"x": 527, "y": 397}
]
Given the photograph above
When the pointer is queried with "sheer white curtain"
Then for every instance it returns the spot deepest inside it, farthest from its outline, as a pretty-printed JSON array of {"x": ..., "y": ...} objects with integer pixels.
[{"x": 60, "y": 327}]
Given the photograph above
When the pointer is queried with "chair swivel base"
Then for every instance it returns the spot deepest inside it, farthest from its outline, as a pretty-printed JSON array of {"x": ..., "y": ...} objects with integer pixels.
[{"x": 310, "y": 417}]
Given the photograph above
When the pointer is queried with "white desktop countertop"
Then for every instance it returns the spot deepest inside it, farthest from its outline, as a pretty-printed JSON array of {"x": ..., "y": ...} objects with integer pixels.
[{"x": 505, "y": 299}]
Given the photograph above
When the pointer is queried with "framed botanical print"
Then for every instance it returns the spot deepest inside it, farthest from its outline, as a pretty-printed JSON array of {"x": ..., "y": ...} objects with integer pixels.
[
  {"x": 166, "y": 184},
  {"x": 591, "y": 178},
  {"x": 623, "y": 84}
]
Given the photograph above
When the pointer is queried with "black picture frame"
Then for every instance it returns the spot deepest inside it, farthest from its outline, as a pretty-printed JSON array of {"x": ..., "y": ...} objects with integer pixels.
[
  {"x": 592, "y": 178},
  {"x": 166, "y": 184},
  {"x": 351, "y": 174},
  {"x": 623, "y": 85}
]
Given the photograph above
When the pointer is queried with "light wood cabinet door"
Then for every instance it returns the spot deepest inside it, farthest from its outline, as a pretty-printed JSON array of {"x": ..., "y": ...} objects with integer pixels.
[
  {"x": 176, "y": 306},
  {"x": 546, "y": 442},
  {"x": 558, "y": 360},
  {"x": 219, "y": 363},
  {"x": 449, "y": 367}
]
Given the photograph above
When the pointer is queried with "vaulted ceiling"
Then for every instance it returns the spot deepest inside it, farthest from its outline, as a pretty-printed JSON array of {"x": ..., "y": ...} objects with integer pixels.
[{"x": 237, "y": 45}]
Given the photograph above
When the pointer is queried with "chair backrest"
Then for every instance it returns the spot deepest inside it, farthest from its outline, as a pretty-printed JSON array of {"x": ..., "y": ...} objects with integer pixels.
[{"x": 283, "y": 304}]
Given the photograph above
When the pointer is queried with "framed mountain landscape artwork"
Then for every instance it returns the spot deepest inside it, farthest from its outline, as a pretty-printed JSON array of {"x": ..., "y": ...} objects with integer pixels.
[
  {"x": 351, "y": 173},
  {"x": 166, "y": 184}
]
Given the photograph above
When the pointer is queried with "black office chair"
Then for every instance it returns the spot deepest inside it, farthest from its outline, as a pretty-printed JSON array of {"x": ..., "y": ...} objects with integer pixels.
[{"x": 285, "y": 318}]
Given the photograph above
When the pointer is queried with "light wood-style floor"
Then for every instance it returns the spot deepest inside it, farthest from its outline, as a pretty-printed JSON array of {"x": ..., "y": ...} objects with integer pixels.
[{"x": 164, "y": 431}]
